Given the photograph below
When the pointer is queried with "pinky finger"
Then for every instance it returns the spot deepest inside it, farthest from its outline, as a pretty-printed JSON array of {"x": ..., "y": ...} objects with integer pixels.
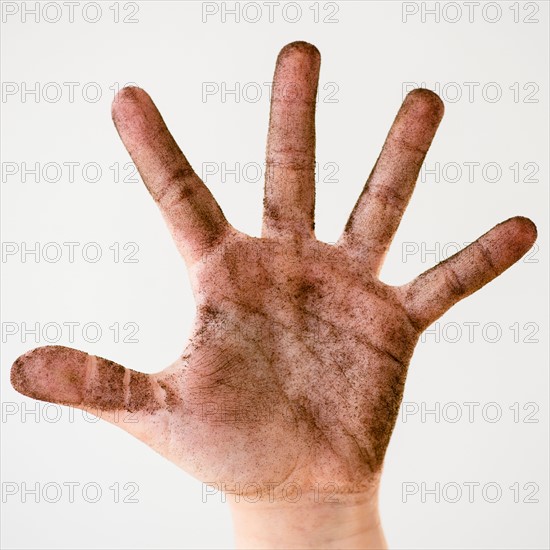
[{"x": 432, "y": 293}]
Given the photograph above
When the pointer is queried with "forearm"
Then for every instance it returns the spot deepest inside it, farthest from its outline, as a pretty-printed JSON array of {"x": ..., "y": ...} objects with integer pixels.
[{"x": 318, "y": 524}]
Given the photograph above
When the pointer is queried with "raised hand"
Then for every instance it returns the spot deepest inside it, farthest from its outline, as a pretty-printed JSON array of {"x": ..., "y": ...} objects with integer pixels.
[{"x": 296, "y": 366}]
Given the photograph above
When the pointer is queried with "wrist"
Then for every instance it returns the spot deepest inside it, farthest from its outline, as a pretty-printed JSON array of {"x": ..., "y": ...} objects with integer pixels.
[{"x": 312, "y": 520}]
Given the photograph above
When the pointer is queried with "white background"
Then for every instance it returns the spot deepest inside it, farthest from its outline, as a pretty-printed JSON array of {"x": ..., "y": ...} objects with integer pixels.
[{"x": 369, "y": 53}]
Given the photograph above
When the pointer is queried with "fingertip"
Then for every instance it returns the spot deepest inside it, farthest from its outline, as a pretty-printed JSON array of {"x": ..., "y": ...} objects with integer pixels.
[
  {"x": 426, "y": 102},
  {"x": 299, "y": 57},
  {"x": 297, "y": 73},
  {"x": 21, "y": 370},
  {"x": 300, "y": 46},
  {"x": 49, "y": 373},
  {"x": 509, "y": 241},
  {"x": 18, "y": 377},
  {"x": 128, "y": 96},
  {"x": 521, "y": 234},
  {"x": 525, "y": 227}
]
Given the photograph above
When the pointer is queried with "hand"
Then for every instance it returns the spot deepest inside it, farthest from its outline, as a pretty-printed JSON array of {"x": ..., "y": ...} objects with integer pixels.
[{"x": 295, "y": 370}]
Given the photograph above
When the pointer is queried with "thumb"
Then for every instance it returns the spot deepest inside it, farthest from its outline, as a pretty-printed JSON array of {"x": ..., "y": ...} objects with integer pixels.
[{"x": 71, "y": 377}]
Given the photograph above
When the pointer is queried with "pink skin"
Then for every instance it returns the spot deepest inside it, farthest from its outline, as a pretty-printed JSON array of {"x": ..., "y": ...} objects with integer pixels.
[{"x": 296, "y": 366}]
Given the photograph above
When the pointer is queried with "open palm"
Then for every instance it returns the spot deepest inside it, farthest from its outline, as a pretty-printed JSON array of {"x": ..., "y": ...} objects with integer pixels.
[{"x": 296, "y": 366}]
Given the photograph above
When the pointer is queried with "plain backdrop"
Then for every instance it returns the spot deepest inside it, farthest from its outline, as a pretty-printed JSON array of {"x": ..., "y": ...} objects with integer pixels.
[{"x": 484, "y": 367}]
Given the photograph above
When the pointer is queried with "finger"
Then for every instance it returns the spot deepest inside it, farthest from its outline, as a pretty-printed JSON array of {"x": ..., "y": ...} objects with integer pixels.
[
  {"x": 289, "y": 200},
  {"x": 431, "y": 294},
  {"x": 191, "y": 212},
  {"x": 378, "y": 211},
  {"x": 71, "y": 377}
]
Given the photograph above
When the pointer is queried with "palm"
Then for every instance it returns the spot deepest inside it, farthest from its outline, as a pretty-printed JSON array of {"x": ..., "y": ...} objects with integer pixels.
[
  {"x": 280, "y": 365},
  {"x": 297, "y": 362}
]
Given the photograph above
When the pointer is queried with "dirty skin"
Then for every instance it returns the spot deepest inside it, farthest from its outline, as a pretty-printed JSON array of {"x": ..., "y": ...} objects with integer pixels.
[{"x": 299, "y": 341}]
